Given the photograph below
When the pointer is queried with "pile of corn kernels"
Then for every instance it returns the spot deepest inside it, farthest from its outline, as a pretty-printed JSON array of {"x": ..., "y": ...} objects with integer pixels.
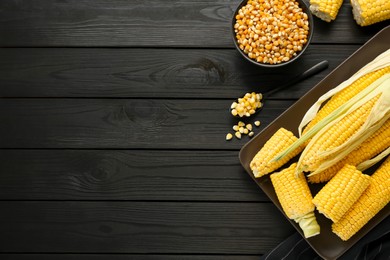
[
  {"x": 271, "y": 31},
  {"x": 247, "y": 105}
]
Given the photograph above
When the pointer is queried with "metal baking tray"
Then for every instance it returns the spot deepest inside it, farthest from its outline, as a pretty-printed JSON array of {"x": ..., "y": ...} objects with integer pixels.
[{"x": 327, "y": 244}]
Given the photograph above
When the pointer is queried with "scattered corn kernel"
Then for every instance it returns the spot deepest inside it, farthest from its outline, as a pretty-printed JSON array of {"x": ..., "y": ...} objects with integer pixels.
[
  {"x": 238, "y": 135},
  {"x": 245, "y": 131},
  {"x": 240, "y": 123},
  {"x": 236, "y": 127},
  {"x": 249, "y": 127},
  {"x": 241, "y": 130},
  {"x": 257, "y": 123},
  {"x": 251, "y": 134},
  {"x": 229, "y": 136}
]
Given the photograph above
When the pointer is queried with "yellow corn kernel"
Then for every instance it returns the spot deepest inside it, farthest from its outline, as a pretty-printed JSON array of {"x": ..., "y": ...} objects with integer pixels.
[
  {"x": 229, "y": 136},
  {"x": 341, "y": 192},
  {"x": 367, "y": 12},
  {"x": 260, "y": 164},
  {"x": 371, "y": 147},
  {"x": 336, "y": 135},
  {"x": 346, "y": 94},
  {"x": 373, "y": 199},
  {"x": 326, "y": 10},
  {"x": 295, "y": 198}
]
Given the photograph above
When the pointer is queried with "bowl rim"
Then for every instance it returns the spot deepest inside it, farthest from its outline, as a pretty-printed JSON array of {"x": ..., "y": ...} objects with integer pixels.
[{"x": 305, "y": 9}]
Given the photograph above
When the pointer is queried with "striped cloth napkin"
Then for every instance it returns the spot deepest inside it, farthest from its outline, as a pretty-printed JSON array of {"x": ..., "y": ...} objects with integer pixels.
[{"x": 374, "y": 245}]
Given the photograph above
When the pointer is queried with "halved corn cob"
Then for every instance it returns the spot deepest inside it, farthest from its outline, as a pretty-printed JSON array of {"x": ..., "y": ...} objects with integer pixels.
[
  {"x": 373, "y": 199},
  {"x": 260, "y": 164},
  {"x": 326, "y": 10},
  {"x": 374, "y": 145},
  {"x": 335, "y": 136},
  {"x": 346, "y": 94},
  {"x": 296, "y": 200},
  {"x": 367, "y": 12},
  {"x": 341, "y": 192}
]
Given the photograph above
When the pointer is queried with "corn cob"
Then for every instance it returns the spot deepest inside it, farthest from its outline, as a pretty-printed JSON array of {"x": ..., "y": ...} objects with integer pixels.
[
  {"x": 335, "y": 136},
  {"x": 260, "y": 164},
  {"x": 296, "y": 200},
  {"x": 375, "y": 144},
  {"x": 346, "y": 94},
  {"x": 367, "y": 12},
  {"x": 326, "y": 10},
  {"x": 341, "y": 192},
  {"x": 373, "y": 199}
]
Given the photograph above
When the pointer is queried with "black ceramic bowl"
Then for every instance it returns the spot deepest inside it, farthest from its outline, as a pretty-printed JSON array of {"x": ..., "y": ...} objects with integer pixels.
[{"x": 304, "y": 8}]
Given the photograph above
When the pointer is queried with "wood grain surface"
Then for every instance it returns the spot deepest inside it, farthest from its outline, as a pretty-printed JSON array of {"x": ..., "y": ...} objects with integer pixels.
[
  {"x": 124, "y": 123},
  {"x": 106, "y": 256},
  {"x": 152, "y": 73},
  {"x": 171, "y": 23},
  {"x": 137, "y": 175},
  {"x": 139, "y": 227}
]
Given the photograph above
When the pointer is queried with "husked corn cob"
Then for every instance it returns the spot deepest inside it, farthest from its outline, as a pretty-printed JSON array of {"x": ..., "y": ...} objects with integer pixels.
[
  {"x": 326, "y": 10},
  {"x": 367, "y": 12},
  {"x": 346, "y": 94},
  {"x": 336, "y": 135},
  {"x": 371, "y": 147},
  {"x": 261, "y": 165},
  {"x": 341, "y": 192},
  {"x": 295, "y": 197},
  {"x": 373, "y": 199}
]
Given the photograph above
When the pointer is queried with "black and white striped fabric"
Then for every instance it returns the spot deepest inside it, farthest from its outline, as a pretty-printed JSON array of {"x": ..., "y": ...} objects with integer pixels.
[{"x": 374, "y": 245}]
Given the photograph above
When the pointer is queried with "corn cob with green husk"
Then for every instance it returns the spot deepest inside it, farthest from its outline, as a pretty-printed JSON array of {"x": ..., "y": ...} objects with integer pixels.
[
  {"x": 334, "y": 136},
  {"x": 346, "y": 94},
  {"x": 338, "y": 96},
  {"x": 296, "y": 200},
  {"x": 282, "y": 138},
  {"x": 367, "y": 12},
  {"x": 341, "y": 192},
  {"x": 326, "y": 10},
  {"x": 360, "y": 116},
  {"x": 375, "y": 147},
  {"x": 373, "y": 199}
]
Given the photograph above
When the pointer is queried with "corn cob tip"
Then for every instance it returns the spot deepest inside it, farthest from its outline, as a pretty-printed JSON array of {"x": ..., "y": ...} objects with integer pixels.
[
  {"x": 262, "y": 163},
  {"x": 326, "y": 10},
  {"x": 309, "y": 225},
  {"x": 341, "y": 192},
  {"x": 366, "y": 12}
]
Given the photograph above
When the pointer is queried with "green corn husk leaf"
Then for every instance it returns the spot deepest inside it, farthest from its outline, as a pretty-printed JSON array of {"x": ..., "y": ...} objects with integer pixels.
[
  {"x": 381, "y": 61},
  {"x": 367, "y": 164},
  {"x": 379, "y": 114},
  {"x": 333, "y": 117}
]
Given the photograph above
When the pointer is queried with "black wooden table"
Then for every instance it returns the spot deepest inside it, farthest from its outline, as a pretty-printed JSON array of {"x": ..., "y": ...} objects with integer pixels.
[{"x": 114, "y": 116}]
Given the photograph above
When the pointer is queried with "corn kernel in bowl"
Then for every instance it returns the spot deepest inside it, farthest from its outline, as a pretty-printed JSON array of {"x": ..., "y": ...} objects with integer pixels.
[{"x": 271, "y": 31}]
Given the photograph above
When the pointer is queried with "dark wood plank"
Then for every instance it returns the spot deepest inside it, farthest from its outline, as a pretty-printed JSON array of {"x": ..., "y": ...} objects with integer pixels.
[
  {"x": 139, "y": 227},
  {"x": 148, "y": 73},
  {"x": 124, "y": 123},
  {"x": 171, "y": 23},
  {"x": 125, "y": 175},
  {"x": 124, "y": 257}
]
